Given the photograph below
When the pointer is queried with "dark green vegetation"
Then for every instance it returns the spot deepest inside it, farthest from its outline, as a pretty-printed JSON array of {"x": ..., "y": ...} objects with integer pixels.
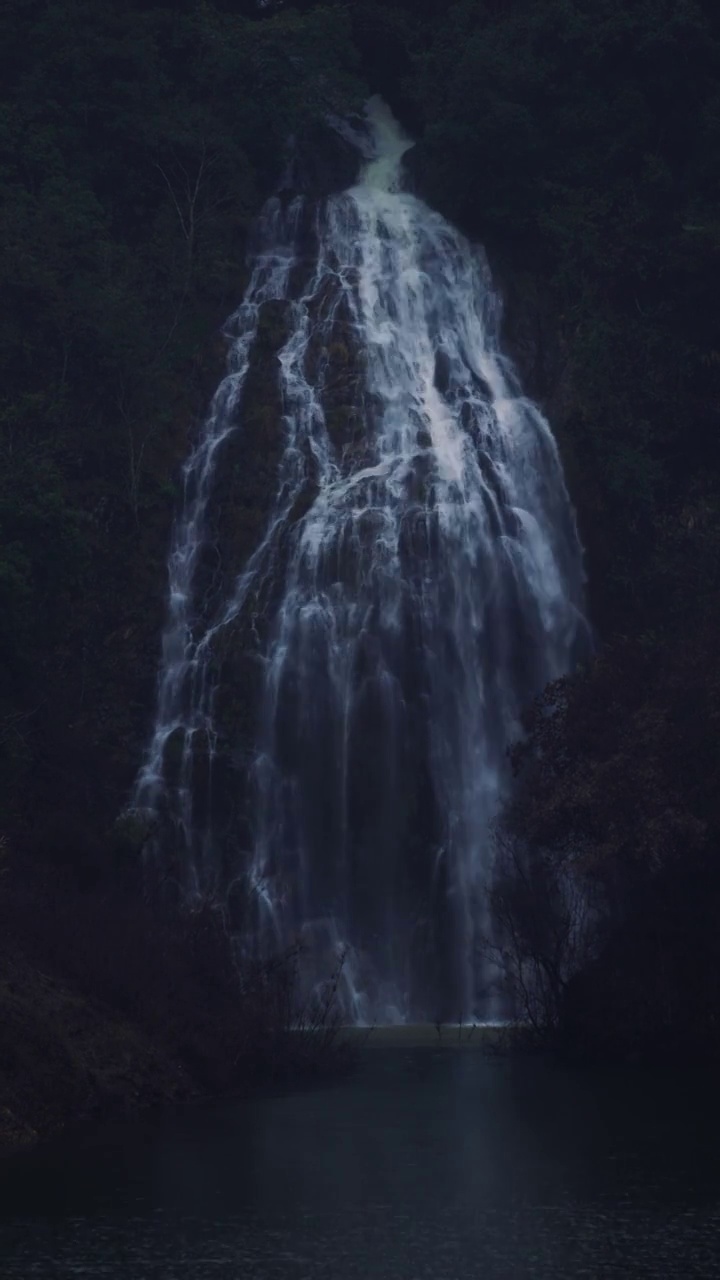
[{"x": 580, "y": 139}]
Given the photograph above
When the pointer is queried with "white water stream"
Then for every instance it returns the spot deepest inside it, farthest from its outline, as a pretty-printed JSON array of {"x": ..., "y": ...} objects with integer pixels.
[{"x": 432, "y": 585}]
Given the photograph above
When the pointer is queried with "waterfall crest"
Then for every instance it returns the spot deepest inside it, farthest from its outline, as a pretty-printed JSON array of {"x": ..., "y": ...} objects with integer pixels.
[{"x": 416, "y": 578}]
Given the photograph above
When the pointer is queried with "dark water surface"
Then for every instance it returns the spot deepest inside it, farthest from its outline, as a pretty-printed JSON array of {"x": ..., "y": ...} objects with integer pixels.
[{"x": 426, "y": 1165}]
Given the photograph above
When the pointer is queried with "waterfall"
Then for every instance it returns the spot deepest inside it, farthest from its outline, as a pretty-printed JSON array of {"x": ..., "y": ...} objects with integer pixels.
[{"x": 415, "y": 579}]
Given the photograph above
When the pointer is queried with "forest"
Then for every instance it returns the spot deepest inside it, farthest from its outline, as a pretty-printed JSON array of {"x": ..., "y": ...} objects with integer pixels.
[{"x": 579, "y": 141}]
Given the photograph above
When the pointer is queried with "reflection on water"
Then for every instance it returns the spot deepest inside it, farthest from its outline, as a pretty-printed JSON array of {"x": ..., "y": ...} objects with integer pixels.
[{"x": 428, "y": 1165}]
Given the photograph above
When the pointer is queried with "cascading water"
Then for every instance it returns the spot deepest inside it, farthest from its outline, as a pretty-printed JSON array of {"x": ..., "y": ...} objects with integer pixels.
[{"x": 416, "y": 580}]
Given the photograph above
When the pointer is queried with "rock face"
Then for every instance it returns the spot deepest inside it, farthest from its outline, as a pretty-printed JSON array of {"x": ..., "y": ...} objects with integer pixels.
[{"x": 375, "y": 567}]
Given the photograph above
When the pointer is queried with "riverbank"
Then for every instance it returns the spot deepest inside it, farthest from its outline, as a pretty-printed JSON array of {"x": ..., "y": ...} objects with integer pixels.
[{"x": 65, "y": 1057}]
